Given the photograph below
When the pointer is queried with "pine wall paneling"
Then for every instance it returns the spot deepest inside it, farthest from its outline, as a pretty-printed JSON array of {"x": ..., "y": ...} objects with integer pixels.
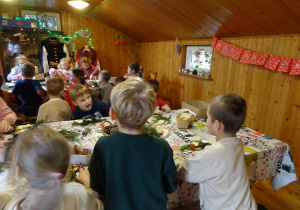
[
  {"x": 114, "y": 58},
  {"x": 272, "y": 97}
]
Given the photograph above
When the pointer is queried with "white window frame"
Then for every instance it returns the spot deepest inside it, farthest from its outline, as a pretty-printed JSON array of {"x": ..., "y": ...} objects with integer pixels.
[
  {"x": 189, "y": 51},
  {"x": 50, "y": 14}
]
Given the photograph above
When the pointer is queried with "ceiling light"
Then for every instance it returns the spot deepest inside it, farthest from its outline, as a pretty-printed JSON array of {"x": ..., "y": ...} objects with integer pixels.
[{"x": 78, "y": 4}]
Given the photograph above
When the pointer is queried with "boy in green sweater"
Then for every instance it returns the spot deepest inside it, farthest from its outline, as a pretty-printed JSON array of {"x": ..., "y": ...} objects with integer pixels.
[{"x": 130, "y": 169}]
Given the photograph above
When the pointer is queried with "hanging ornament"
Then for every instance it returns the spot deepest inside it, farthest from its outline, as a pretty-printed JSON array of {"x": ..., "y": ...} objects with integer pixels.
[{"x": 177, "y": 48}]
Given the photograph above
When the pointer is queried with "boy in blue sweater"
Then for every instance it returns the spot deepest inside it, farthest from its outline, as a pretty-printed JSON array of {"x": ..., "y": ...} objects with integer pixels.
[
  {"x": 30, "y": 90},
  {"x": 85, "y": 106},
  {"x": 129, "y": 168}
]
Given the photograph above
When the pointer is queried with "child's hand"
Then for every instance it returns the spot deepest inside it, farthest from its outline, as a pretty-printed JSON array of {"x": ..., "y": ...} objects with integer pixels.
[
  {"x": 84, "y": 176},
  {"x": 176, "y": 148},
  {"x": 158, "y": 112},
  {"x": 91, "y": 76},
  {"x": 5, "y": 126},
  {"x": 166, "y": 108}
]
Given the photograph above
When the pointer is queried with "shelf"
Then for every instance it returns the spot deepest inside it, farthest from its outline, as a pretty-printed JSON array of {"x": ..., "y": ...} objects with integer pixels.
[{"x": 195, "y": 76}]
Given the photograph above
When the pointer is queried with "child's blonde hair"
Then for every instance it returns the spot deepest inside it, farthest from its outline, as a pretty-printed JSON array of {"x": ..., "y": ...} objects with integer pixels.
[
  {"x": 55, "y": 85},
  {"x": 77, "y": 91},
  {"x": 67, "y": 60},
  {"x": 105, "y": 75},
  {"x": 42, "y": 156},
  {"x": 133, "y": 102},
  {"x": 85, "y": 60},
  {"x": 20, "y": 58}
]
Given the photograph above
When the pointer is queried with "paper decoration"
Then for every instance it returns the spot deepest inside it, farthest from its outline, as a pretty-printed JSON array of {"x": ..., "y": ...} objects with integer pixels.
[
  {"x": 261, "y": 60},
  {"x": 295, "y": 67},
  {"x": 219, "y": 45},
  {"x": 214, "y": 42},
  {"x": 235, "y": 52},
  {"x": 253, "y": 58},
  {"x": 285, "y": 64},
  {"x": 246, "y": 56},
  {"x": 225, "y": 49},
  {"x": 272, "y": 62}
]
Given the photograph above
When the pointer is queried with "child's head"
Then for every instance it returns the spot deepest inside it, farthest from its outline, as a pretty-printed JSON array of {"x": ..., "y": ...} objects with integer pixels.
[
  {"x": 81, "y": 97},
  {"x": 42, "y": 156},
  {"x": 85, "y": 62},
  {"x": 20, "y": 60},
  {"x": 55, "y": 86},
  {"x": 119, "y": 80},
  {"x": 228, "y": 109},
  {"x": 154, "y": 84},
  {"x": 65, "y": 63},
  {"x": 77, "y": 76},
  {"x": 134, "y": 69},
  {"x": 28, "y": 69},
  {"x": 133, "y": 102},
  {"x": 104, "y": 75}
]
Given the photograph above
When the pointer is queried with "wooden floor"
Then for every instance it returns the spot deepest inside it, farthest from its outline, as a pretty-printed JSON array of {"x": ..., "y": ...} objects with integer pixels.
[{"x": 287, "y": 197}]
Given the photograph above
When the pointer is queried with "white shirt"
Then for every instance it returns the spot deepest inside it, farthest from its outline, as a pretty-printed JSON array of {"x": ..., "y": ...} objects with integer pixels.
[{"x": 221, "y": 173}]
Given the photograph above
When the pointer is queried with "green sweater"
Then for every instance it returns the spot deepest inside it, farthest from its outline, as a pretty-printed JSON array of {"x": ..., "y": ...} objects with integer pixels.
[{"x": 133, "y": 172}]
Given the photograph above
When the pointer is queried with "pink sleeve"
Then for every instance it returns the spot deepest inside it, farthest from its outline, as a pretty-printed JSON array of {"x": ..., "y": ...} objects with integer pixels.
[
  {"x": 95, "y": 71},
  {"x": 6, "y": 112}
]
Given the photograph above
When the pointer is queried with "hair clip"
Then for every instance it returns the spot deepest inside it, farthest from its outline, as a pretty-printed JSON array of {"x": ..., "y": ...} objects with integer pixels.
[{"x": 55, "y": 177}]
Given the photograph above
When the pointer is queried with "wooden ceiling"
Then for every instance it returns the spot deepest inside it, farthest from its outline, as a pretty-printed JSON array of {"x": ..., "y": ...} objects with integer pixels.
[{"x": 158, "y": 20}]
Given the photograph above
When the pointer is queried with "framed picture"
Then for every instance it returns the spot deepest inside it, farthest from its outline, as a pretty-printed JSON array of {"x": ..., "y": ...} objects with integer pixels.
[{"x": 48, "y": 20}]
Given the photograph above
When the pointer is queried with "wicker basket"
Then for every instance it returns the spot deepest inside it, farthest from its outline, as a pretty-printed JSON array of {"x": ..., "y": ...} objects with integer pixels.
[{"x": 103, "y": 125}]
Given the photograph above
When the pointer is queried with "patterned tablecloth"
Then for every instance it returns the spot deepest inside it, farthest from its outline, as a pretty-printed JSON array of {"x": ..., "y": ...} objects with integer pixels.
[{"x": 265, "y": 157}]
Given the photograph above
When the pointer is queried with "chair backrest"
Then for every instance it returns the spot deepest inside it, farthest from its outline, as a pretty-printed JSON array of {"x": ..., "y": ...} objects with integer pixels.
[{"x": 150, "y": 75}]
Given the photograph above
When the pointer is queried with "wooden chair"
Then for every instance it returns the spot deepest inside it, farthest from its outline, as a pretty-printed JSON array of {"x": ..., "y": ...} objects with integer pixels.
[{"x": 150, "y": 75}]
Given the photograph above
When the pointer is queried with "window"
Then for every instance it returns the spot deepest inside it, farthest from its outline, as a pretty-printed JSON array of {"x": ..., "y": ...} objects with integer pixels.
[
  {"x": 198, "y": 57},
  {"x": 48, "y": 20}
]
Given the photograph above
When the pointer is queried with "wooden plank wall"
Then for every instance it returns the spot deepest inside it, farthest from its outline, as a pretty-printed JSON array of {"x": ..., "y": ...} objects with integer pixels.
[
  {"x": 273, "y": 98},
  {"x": 114, "y": 58}
]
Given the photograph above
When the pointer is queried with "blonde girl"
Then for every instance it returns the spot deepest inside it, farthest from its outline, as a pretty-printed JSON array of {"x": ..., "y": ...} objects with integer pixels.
[
  {"x": 15, "y": 73},
  {"x": 63, "y": 69},
  {"x": 41, "y": 158}
]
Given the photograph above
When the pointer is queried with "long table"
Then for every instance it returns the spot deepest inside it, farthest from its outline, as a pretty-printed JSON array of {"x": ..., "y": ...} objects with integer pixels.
[{"x": 265, "y": 157}]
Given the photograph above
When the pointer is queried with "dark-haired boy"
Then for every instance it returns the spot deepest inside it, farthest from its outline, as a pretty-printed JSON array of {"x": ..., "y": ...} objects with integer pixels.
[
  {"x": 220, "y": 168},
  {"x": 30, "y": 90},
  {"x": 55, "y": 109},
  {"x": 162, "y": 106}
]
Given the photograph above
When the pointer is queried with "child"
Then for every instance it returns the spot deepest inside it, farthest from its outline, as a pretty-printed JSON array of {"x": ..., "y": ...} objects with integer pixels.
[
  {"x": 85, "y": 106},
  {"x": 132, "y": 170},
  {"x": 119, "y": 80},
  {"x": 15, "y": 73},
  {"x": 55, "y": 109},
  {"x": 220, "y": 168},
  {"x": 105, "y": 89},
  {"x": 10, "y": 99},
  {"x": 7, "y": 117},
  {"x": 31, "y": 90},
  {"x": 134, "y": 70},
  {"x": 162, "y": 106},
  {"x": 63, "y": 69},
  {"x": 76, "y": 77},
  {"x": 88, "y": 68},
  {"x": 42, "y": 156}
]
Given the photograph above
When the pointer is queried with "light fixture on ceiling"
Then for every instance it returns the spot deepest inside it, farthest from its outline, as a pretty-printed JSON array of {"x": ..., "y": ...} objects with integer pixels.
[{"x": 78, "y": 4}]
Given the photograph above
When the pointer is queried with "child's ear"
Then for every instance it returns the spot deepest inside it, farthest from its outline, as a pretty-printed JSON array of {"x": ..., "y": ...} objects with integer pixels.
[
  {"x": 74, "y": 103},
  {"x": 61, "y": 92},
  {"x": 112, "y": 114},
  {"x": 218, "y": 125}
]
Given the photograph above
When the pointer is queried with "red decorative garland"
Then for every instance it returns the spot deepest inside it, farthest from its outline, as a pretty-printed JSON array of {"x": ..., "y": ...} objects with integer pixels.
[{"x": 271, "y": 62}]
